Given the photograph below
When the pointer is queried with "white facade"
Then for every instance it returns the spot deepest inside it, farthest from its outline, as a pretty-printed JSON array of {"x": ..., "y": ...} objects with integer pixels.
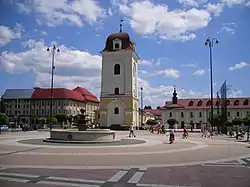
[
  {"x": 126, "y": 81},
  {"x": 198, "y": 116},
  {"x": 119, "y": 90}
]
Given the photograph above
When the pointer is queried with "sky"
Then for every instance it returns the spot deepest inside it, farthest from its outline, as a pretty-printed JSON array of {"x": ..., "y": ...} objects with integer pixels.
[{"x": 169, "y": 37}]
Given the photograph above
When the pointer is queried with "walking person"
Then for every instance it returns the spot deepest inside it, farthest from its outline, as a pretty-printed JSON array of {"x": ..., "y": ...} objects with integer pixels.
[
  {"x": 204, "y": 133},
  {"x": 131, "y": 131}
]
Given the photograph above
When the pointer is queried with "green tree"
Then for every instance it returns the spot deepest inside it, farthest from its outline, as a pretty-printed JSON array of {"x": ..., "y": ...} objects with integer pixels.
[
  {"x": 246, "y": 122},
  {"x": 151, "y": 122},
  {"x": 70, "y": 119},
  {"x": 172, "y": 122},
  {"x": 61, "y": 118},
  {"x": 237, "y": 122},
  {"x": 42, "y": 120},
  {"x": 3, "y": 119}
]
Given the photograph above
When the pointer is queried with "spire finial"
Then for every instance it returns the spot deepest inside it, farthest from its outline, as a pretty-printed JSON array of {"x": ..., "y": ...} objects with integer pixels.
[{"x": 121, "y": 25}]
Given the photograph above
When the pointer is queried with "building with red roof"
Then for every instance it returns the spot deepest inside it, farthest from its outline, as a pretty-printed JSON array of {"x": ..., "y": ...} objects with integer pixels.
[
  {"x": 32, "y": 104},
  {"x": 196, "y": 111},
  {"x": 64, "y": 101}
]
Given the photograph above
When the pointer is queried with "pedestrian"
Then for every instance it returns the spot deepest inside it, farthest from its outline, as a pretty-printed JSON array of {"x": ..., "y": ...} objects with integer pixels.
[{"x": 131, "y": 131}]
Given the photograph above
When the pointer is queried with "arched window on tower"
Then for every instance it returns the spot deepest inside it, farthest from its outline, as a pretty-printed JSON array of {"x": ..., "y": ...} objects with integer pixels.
[
  {"x": 116, "y": 110},
  {"x": 117, "y": 69},
  {"x": 116, "y": 91}
]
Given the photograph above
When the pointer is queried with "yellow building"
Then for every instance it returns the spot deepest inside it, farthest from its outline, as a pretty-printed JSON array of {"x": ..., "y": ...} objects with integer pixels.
[{"x": 119, "y": 82}]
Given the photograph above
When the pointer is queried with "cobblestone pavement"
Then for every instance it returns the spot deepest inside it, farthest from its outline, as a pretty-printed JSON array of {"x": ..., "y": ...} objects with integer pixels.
[{"x": 194, "y": 162}]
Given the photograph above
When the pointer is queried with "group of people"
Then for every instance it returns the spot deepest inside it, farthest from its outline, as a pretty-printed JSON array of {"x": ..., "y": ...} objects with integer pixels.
[{"x": 206, "y": 132}]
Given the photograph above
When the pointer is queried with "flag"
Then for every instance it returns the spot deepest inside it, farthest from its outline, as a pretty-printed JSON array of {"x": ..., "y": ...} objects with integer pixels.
[{"x": 218, "y": 98}]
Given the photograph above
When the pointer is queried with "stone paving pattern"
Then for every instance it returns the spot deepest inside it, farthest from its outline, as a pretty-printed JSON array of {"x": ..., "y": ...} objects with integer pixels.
[{"x": 229, "y": 173}]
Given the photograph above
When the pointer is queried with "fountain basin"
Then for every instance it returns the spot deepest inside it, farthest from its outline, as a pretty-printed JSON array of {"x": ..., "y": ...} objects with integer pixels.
[{"x": 88, "y": 136}]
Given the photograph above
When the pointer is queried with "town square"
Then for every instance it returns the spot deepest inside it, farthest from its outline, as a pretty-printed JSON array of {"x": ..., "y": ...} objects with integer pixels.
[{"x": 124, "y": 94}]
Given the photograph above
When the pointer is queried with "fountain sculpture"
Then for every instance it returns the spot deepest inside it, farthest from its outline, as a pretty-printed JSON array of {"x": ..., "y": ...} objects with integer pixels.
[{"x": 83, "y": 135}]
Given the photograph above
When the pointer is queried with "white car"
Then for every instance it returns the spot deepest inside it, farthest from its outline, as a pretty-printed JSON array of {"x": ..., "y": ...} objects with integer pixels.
[{"x": 4, "y": 128}]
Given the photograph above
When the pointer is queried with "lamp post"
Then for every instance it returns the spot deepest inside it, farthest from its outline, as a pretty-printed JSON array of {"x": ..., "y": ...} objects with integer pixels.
[
  {"x": 210, "y": 43},
  {"x": 141, "y": 106},
  {"x": 53, "y": 50}
]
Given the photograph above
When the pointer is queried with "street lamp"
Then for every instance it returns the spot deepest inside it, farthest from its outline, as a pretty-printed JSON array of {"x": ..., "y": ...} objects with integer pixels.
[
  {"x": 210, "y": 43},
  {"x": 141, "y": 106},
  {"x": 53, "y": 50}
]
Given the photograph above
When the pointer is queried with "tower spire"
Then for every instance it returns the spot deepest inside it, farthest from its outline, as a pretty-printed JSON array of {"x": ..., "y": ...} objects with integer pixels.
[
  {"x": 121, "y": 25},
  {"x": 174, "y": 98}
]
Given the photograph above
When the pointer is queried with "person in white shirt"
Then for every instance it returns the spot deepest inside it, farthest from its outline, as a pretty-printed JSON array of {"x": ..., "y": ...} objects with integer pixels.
[{"x": 131, "y": 131}]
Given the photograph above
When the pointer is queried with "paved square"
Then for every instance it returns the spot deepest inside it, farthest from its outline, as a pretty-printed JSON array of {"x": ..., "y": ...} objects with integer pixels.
[{"x": 216, "y": 162}]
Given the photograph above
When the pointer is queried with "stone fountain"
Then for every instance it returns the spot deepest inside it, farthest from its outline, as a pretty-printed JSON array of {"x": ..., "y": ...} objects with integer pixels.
[{"x": 83, "y": 135}]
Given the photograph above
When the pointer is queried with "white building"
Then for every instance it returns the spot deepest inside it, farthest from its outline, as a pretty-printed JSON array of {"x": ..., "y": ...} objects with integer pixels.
[
  {"x": 119, "y": 82},
  {"x": 197, "y": 111}
]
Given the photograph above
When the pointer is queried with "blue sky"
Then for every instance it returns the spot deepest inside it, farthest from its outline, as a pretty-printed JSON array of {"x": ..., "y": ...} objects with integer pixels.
[{"x": 169, "y": 37}]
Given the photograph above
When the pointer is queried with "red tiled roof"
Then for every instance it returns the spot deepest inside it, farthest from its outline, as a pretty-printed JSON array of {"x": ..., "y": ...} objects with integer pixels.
[
  {"x": 58, "y": 93},
  {"x": 184, "y": 103},
  {"x": 86, "y": 94}
]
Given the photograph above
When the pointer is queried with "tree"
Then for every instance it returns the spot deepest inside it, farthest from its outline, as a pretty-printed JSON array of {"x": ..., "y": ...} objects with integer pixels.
[
  {"x": 246, "y": 122},
  {"x": 42, "y": 120},
  {"x": 148, "y": 107},
  {"x": 61, "y": 118},
  {"x": 3, "y": 119},
  {"x": 172, "y": 122},
  {"x": 158, "y": 108},
  {"x": 237, "y": 122},
  {"x": 70, "y": 119},
  {"x": 24, "y": 120},
  {"x": 54, "y": 120},
  {"x": 151, "y": 122}
]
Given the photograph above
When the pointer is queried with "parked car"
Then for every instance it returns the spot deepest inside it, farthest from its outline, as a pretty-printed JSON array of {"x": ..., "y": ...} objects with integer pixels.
[{"x": 4, "y": 128}]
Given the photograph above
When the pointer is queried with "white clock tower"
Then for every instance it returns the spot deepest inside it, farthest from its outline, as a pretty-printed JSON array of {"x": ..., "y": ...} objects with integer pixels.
[{"x": 119, "y": 100}]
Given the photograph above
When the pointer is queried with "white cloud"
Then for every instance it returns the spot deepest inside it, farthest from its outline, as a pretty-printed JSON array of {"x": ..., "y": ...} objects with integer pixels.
[
  {"x": 228, "y": 27},
  {"x": 233, "y": 2},
  {"x": 191, "y": 65},
  {"x": 54, "y": 13},
  {"x": 7, "y": 34},
  {"x": 44, "y": 33},
  {"x": 214, "y": 9},
  {"x": 193, "y": 3},
  {"x": 156, "y": 62},
  {"x": 239, "y": 66},
  {"x": 234, "y": 93},
  {"x": 156, "y": 96},
  {"x": 199, "y": 72},
  {"x": 176, "y": 24},
  {"x": 174, "y": 73},
  {"x": 73, "y": 67}
]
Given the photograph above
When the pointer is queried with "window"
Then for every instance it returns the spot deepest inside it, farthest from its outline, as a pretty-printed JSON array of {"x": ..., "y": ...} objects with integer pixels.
[
  {"x": 228, "y": 114},
  {"x": 117, "y": 46},
  {"x": 199, "y": 103},
  {"x": 170, "y": 114},
  {"x": 191, "y": 103},
  {"x": 182, "y": 114},
  {"x": 116, "y": 91},
  {"x": 238, "y": 114},
  {"x": 116, "y": 110},
  {"x": 191, "y": 114},
  {"x": 245, "y": 102},
  {"x": 209, "y": 103},
  {"x": 200, "y": 114},
  {"x": 117, "y": 69},
  {"x": 236, "y": 103}
]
